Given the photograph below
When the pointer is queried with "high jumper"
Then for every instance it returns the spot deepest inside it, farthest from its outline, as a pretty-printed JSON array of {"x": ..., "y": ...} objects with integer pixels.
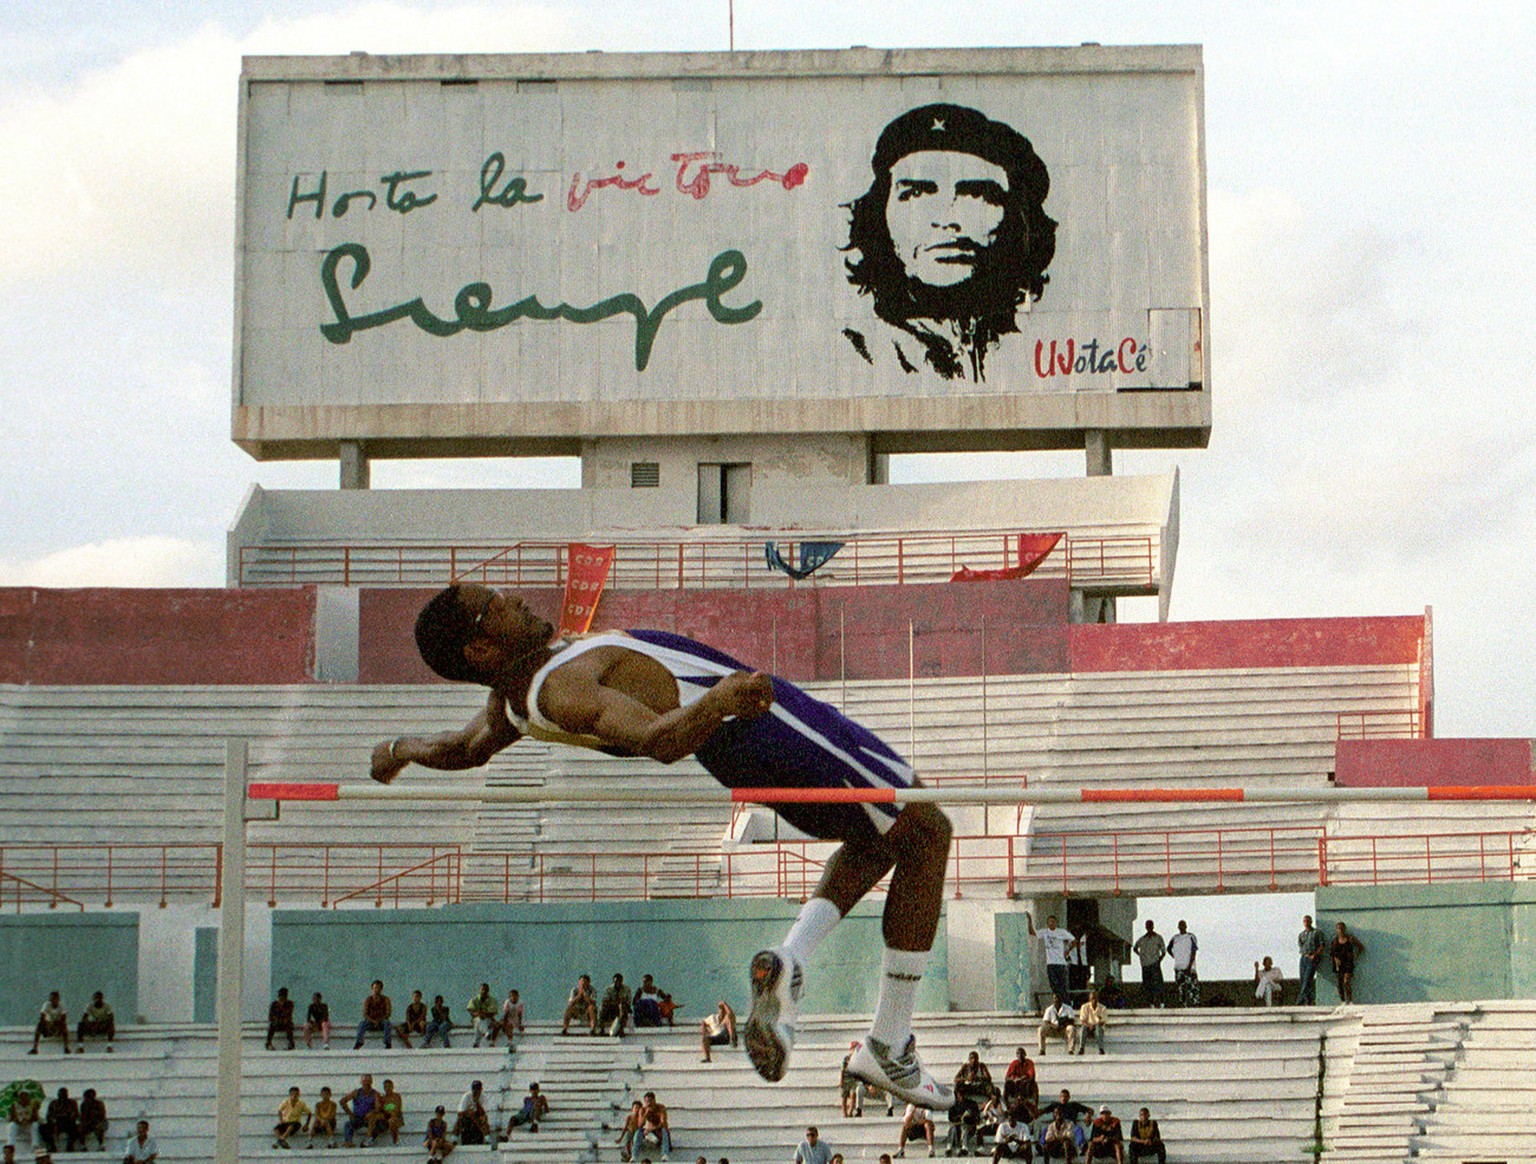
[{"x": 656, "y": 694}]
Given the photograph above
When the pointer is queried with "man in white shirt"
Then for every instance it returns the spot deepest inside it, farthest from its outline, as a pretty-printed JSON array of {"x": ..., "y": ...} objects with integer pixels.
[
  {"x": 1059, "y": 945},
  {"x": 1059, "y": 1022},
  {"x": 1091, "y": 1018},
  {"x": 1011, "y": 1141},
  {"x": 1183, "y": 948},
  {"x": 1267, "y": 981}
]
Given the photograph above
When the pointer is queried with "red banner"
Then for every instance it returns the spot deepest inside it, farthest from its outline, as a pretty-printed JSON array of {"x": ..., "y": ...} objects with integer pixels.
[
  {"x": 583, "y": 585},
  {"x": 1033, "y": 549}
]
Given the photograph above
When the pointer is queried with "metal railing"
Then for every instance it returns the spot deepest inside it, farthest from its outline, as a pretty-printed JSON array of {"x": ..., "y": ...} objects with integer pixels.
[
  {"x": 1127, "y": 562},
  {"x": 1380, "y": 724},
  {"x": 1174, "y": 860},
  {"x": 1423, "y": 859}
]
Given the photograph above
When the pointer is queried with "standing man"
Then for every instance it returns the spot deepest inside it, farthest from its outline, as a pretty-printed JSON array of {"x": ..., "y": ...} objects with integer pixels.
[
  {"x": 1310, "y": 946},
  {"x": 1182, "y": 948},
  {"x": 660, "y": 695},
  {"x": 1151, "y": 949},
  {"x": 1059, "y": 946}
]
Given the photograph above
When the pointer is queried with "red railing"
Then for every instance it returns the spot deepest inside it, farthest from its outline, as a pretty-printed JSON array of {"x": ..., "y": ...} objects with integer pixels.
[
  {"x": 1174, "y": 860},
  {"x": 1423, "y": 859},
  {"x": 1121, "y": 562},
  {"x": 1380, "y": 724}
]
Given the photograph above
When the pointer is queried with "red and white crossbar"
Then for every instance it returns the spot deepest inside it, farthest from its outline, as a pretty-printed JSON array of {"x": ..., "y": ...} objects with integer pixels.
[{"x": 660, "y": 794}]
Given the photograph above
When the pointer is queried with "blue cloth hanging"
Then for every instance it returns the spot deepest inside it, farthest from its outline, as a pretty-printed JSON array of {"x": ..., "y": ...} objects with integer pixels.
[{"x": 813, "y": 556}]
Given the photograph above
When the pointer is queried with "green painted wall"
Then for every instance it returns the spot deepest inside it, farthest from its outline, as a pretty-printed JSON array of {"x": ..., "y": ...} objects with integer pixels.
[
  {"x": 698, "y": 951},
  {"x": 1015, "y": 986},
  {"x": 1436, "y": 942},
  {"x": 205, "y": 974},
  {"x": 73, "y": 953}
]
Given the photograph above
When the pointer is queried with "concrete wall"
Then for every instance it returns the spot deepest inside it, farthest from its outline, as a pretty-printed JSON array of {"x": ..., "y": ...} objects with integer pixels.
[
  {"x": 698, "y": 950},
  {"x": 1433, "y": 763},
  {"x": 1436, "y": 942},
  {"x": 73, "y": 953},
  {"x": 1241, "y": 643},
  {"x": 802, "y": 634},
  {"x": 116, "y": 636}
]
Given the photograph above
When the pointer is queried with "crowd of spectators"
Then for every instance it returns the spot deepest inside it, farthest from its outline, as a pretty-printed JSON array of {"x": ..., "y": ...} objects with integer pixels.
[
  {"x": 53, "y": 1023},
  {"x": 66, "y": 1125}
]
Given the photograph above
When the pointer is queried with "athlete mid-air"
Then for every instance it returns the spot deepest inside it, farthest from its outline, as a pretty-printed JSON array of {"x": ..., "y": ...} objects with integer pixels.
[{"x": 655, "y": 694}]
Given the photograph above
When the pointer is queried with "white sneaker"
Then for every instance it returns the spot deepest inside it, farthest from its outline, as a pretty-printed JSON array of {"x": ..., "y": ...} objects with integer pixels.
[
  {"x": 903, "y": 1075},
  {"x": 777, "y": 983}
]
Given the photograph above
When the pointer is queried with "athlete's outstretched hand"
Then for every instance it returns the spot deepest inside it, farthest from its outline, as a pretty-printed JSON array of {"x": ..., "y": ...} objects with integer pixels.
[
  {"x": 385, "y": 766},
  {"x": 747, "y": 694}
]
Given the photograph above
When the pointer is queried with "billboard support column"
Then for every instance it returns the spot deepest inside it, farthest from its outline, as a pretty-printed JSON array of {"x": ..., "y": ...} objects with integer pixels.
[
  {"x": 1101, "y": 455},
  {"x": 354, "y": 465}
]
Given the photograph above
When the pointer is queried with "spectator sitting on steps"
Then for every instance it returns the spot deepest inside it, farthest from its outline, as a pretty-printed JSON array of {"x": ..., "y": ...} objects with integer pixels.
[
  {"x": 440, "y": 1022},
  {"x": 482, "y": 1014},
  {"x": 376, "y": 1011},
  {"x": 916, "y": 1122},
  {"x": 1105, "y": 1139},
  {"x": 52, "y": 1023},
  {"x": 359, "y": 1105},
  {"x": 1146, "y": 1139},
  {"x": 473, "y": 1125},
  {"x": 62, "y": 1126},
  {"x": 535, "y": 1107},
  {"x": 582, "y": 1005},
  {"x": 317, "y": 1021},
  {"x": 438, "y": 1145},
  {"x": 324, "y": 1121},
  {"x": 718, "y": 1030},
  {"x": 415, "y": 1019},
  {"x": 613, "y": 1015},
  {"x": 279, "y": 1019},
  {"x": 93, "y": 1120},
  {"x": 1059, "y": 1022},
  {"x": 1091, "y": 1019},
  {"x": 1268, "y": 982},
  {"x": 141, "y": 1147},
  {"x": 98, "y": 1019}
]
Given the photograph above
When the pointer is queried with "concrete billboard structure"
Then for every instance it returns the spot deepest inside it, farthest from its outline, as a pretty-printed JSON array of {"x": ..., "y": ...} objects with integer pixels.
[{"x": 926, "y": 249}]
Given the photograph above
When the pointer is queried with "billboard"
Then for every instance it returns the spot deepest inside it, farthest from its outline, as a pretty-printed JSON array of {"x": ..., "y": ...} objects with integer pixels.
[{"x": 947, "y": 247}]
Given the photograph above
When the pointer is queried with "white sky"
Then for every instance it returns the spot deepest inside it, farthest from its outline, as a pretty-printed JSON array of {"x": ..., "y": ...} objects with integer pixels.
[{"x": 1370, "y": 194}]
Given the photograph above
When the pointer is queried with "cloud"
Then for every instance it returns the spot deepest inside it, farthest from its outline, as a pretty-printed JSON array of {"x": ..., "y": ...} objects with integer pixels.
[
  {"x": 133, "y": 167},
  {"x": 140, "y": 561}
]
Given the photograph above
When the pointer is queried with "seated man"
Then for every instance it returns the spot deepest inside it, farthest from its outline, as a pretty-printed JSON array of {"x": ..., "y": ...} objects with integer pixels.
[
  {"x": 654, "y": 1127},
  {"x": 293, "y": 1115},
  {"x": 324, "y": 1121},
  {"x": 1059, "y": 1022},
  {"x": 581, "y": 1005},
  {"x": 916, "y": 1122},
  {"x": 614, "y": 1012},
  {"x": 1011, "y": 1141},
  {"x": 720, "y": 1029},
  {"x": 317, "y": 1021},
  {"x": 415, "y": 1019},
  {"x": 389, "y": 1115},
  {"x": 439, "y": 1022},
  {"x": 438, "y": 1145},
  {"x": 1075, "y": 1110},
  {"x": 376, "y": 1012},
  {"x": 1090, "y": 1022},
  {"x": 535, "y": 1107},
  {"x": 93, "y": 1120},
  {"x": 631, "y": 1126},
  {"x": 25, "y": 1113},
  {"x": 61, "y": 1128},
  {"x": 1268, "y": 982},
  {"x": 1105, "y": 1139},
  {"x": 52, "y": 1023},
  {"x": 141, "y": 1147},
  {"x": 482, "y": 1014},
  {"x": 473, "y": 1125},
  {"x": 98, "y": 1019},
  {"x": 279, "y": 1018},
  {"x": 973, "y": 1081},
  {"x": 647, "y": 1003},
  {"x": 1020, "y": 1089},
  {"x": 510, "y": 1018},
  {"x": 1060, "y": 1138},
  {"x": 964, "y": 1116},
  {"x": 1146, "y": 1140},
  {"x": 359, "y": 1105}
]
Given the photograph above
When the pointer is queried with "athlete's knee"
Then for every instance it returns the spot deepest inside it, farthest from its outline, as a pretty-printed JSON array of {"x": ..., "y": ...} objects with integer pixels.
[{"x": 930, "y": 825}]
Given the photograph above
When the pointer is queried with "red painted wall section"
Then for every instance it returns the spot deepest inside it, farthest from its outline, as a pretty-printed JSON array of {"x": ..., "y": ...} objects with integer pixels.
[
  {"x": 156, "y": 636},
  {"x": 801, "y": 634},
  {"x": 1432, "y": 763},
  {"x": 1280, "y": 642}
]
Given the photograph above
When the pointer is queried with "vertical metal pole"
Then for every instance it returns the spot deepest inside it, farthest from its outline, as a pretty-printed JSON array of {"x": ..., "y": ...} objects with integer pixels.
[
  {"x": 842, "y": 661},
  {"x": 231, "y": 956},
  {"x": 911, "y": 696}
]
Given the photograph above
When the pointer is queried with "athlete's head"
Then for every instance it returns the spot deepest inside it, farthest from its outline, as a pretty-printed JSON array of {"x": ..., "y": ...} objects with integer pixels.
[{"x": 469, "y": 633}]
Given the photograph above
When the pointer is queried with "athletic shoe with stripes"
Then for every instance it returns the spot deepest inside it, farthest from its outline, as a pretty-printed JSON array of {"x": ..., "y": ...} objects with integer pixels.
[
  {"x": 902, "y": 1075},
  {"x": 777, "y": 984}
]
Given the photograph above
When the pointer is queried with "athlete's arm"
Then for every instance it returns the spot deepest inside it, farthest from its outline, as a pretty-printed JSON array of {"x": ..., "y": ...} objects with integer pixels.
[
  {"x": 485, "y": 735},
  {"x": 576, "y": 699}
]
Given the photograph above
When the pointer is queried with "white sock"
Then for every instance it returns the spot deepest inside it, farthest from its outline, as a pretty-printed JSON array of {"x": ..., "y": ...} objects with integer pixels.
[
  {"x": 902, "y": 970},
  {"x": 817, "y": 917}
]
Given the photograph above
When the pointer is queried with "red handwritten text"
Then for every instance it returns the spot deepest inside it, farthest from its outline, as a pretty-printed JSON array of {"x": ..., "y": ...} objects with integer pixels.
[
  {"x": 698, "y": 184},
  {"x": 575, "y": 201}
]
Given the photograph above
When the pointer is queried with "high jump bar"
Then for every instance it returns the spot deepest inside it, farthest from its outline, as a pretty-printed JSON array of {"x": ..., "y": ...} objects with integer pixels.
[{"x": 645, "y": 793}]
